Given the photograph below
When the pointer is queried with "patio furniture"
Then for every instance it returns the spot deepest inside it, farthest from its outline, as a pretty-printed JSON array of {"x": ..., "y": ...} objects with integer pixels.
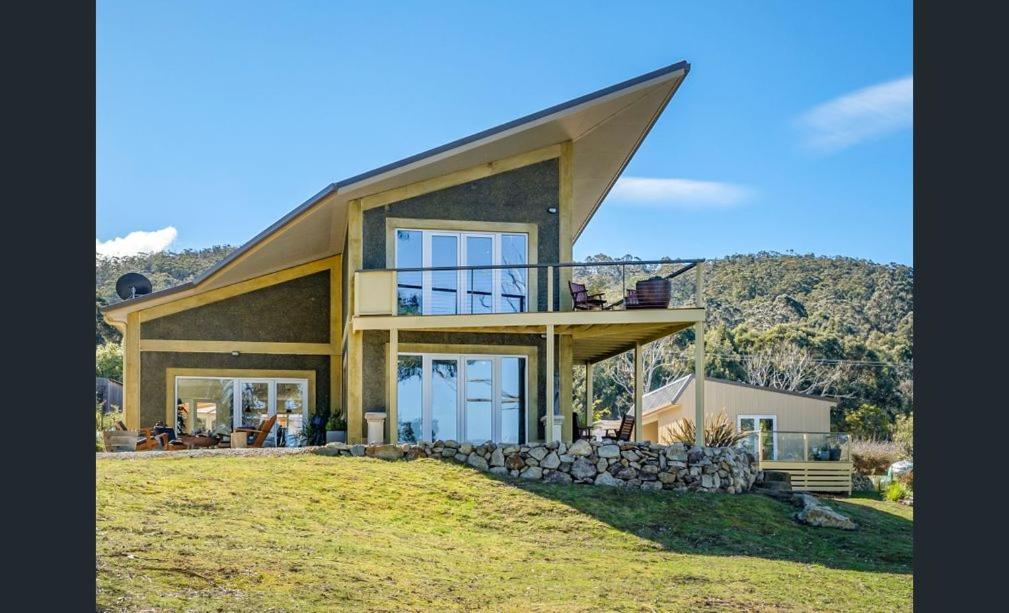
[
  {"x": 121, "y": 439},
  {"x": 583, "y": 300},
  {"x": 195, "y": 441},
  {"x": 623, "y": 433},
  {"x": 578, "y": 430},
  {"x": 259, "y": 433}
]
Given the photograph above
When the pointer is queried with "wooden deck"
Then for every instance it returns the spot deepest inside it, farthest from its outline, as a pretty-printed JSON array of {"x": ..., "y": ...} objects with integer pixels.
[{"x": 815, "y": 476}]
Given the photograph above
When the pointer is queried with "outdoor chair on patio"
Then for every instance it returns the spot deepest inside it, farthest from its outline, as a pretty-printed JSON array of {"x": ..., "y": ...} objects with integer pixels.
[
  {"x": 122, "y": 439},
  {"x": 583, "y": 300},
  {"x": 260, "y": 433},
  {"x": 623, "y": 433},
  {"x": 579, "y": 431}
]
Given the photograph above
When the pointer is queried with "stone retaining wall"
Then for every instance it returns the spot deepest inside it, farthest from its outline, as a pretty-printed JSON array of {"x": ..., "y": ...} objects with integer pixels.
[{"x": 646, "y": 465}]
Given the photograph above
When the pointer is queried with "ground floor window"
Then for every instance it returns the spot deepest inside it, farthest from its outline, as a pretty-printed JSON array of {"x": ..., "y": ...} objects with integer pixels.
[
  {"x": 217, "y": 405},
  {"x": 471, "y": 398},
  {"x": 766, "y": 424}
]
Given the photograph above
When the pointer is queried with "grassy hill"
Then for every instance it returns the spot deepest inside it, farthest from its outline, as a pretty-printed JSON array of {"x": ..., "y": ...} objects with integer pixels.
[{"x": 314, "y": 533}]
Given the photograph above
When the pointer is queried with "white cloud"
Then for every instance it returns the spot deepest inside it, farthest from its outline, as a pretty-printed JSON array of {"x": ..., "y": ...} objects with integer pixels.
[
  {"x": 860, "y": 115},
  {"x": 137, "y": 242},
  {"x": 677, "y": 193}
]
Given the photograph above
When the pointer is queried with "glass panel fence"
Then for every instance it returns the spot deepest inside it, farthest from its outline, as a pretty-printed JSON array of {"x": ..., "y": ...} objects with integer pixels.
[{"x": 781, "y": 446}]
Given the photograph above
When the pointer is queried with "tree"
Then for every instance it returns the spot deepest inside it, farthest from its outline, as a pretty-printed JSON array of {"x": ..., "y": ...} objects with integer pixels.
[
  {"x": 104, "y": 333},
  {"x": 867, "y": 422},
  {"x": 109, "y": 361},
  {"x": 792, "y": 369}
]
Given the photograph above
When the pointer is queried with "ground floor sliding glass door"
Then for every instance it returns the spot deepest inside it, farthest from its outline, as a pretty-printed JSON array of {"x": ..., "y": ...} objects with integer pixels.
[
  {"x": 207, "y": 405},
  {"x": 468, "y": 398}
]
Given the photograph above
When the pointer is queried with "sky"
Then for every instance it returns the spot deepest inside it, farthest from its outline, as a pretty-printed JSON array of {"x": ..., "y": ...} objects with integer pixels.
[{"x": 792, "y": 132}]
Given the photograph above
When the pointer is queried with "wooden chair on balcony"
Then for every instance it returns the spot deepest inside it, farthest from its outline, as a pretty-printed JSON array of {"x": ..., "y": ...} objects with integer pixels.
[
  {"x": 579, "y": 431},
  {"x": 260, "y": 432},
  {"x": 623, "y": 433},
  {"x": 583, "y": 300}
]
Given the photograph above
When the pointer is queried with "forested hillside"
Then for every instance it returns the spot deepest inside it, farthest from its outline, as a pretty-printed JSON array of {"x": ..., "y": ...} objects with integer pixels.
[{"x": 835, "y": 326}]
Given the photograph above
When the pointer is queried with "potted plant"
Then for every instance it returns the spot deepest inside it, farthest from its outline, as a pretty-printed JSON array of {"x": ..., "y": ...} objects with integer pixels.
[{"x": 336, "y": 429}]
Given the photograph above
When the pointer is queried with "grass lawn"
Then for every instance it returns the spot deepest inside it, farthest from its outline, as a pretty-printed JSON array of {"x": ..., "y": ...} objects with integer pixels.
[{"x": 308, "y": 532}]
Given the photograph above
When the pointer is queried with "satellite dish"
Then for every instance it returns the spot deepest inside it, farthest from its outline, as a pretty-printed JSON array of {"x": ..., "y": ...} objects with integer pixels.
[{"x": 133, "y": 284}]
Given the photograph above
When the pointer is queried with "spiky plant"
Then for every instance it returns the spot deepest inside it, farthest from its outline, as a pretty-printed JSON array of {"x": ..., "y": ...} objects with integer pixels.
[{"x": 718, "y": 432}]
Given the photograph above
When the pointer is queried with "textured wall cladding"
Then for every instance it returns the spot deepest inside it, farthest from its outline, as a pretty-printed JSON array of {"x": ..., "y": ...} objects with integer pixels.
[
  {"x": 154, "y": 363},
  {"x": 522, "y": 196},
  {"x": 374, "y": 360},
  {"x": 296, "y": 312}
]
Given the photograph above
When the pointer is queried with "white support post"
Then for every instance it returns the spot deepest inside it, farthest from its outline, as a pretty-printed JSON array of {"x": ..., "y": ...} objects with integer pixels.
[
  {"x": 548, "y": 423},
  {"x": 588, "y": 394},
  {"x": 699, "y": 384},
  {"x": 638, "y": 392},
  {"x": 392, "y": 380},
  {"x": 550, "y": 289}
]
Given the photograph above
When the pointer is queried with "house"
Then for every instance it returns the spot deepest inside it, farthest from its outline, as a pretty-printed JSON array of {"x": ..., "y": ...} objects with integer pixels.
[
  {"x": 425, "y": 299},
  {"x": 748, "y": 407}
]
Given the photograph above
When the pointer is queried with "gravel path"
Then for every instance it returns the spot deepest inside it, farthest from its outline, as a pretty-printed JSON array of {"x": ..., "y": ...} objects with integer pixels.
[{"x": 201, "y": 453}]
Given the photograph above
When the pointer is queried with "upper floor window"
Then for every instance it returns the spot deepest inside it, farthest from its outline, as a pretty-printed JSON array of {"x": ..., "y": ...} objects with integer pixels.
[{"x": 447, "y": 292}]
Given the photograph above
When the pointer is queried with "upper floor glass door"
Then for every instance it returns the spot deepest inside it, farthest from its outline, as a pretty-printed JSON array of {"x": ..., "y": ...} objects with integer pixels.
[{"x": 479, "y": 289}]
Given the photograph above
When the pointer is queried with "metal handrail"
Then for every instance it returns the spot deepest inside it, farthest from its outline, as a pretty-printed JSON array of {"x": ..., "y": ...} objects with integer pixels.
[{"x": 693, "y": 262}]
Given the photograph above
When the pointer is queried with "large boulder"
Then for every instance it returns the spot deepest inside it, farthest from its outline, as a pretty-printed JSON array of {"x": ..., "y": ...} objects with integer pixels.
[
  {"x": 497, "y": 457},
  {"x": 581, "y": 447},
  {"x": 514, "y": 462},
  {"x": 607, "y": 479},
  {"x": 556, "y": 476},
  {"x": 476, "y": 461},
  {"x": 609, "y": 451},
  {"x": 551, "y": 461},
  {"x": 583, "y": 468},
  {"x": 816, "y": 513},
  {"x": 534, "y": 473},
  {"x": 384, "y": 452}
]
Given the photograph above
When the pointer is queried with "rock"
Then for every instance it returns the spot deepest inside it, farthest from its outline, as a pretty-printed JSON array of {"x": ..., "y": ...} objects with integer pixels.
[
  {"x": 556, "y": 476},
  {"x": 630, "y": 456},
  {"x": 510, "y": 449},
  {"x": 650, "y": 469},
  {"x": 357, "y": 450},
  {"x": 514, "y": 462},
  {"x": 667, "y": 478},
  {"x": 538, "y": 453},
  {"x": 695, "y": 455},
  {"x": 460, "y": 457},
  {"x": 552, "y": 461},
  {"x": 609, "y": 451},
  {"x": 448, "y": 452},
  {"x": 451, "y": 443},
  {"x": 601, "y": 464},
  {"x": 606, "y": 479},
  {"x": 329, "y": 451},
  {"x": 497, "y": 458},
  {"x": 477, "y": 461},
  {"x": 414, "y": 453},
  {"x": 815, "y": 513},
  {"x": 581, "y": 447},
  {"x": 707, "y": 481},
  {"x": 860, "y": 483},
  {"x": 676, "y": 452},
  {"x": 384, "y": 452},
  {"x": 466, "y": 448},
  {"x": 626, "y": 473},
  {"x": 498, "y": 470},
  {"x": 532, "y": 473},
  {"x": 651, "y": 485},
  {"x": 567, "y": 459},
  {"x": 583, "y": 468}
]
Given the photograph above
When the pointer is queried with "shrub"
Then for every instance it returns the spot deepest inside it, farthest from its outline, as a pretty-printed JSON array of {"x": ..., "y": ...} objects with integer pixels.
[
  {"x": 867, "y": 421},
  {"x": 873, "y": 457},
  {"x": 903, "y": 436},
  {"x": 896, "y": 491},
  {"x": 336, "y": 422},
  {"x": 718, "y": 432}
]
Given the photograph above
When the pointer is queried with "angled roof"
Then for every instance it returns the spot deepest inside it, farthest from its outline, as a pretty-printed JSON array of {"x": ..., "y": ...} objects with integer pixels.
[
  {"x": 605, "y": 128},
  {"x": 670, "y": 393}
]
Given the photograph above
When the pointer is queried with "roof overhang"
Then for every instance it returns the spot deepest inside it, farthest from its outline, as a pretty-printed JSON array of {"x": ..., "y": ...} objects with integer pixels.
[{"x": 605, "y": 129}]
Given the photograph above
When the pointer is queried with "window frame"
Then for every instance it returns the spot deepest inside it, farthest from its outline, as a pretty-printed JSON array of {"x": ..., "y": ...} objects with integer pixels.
[
  {"x": 460, "y": 359},
  {"x": 462, "y": 281}
]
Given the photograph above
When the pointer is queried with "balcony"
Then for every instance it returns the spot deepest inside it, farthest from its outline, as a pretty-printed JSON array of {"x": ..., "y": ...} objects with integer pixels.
[{"x": 656, "y": 298}]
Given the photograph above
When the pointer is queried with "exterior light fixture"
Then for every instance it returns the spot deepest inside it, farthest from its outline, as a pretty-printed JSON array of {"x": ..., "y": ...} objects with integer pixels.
[
  {"x": 552, "y": 210},
  {"x": 235, "y": 354}
]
